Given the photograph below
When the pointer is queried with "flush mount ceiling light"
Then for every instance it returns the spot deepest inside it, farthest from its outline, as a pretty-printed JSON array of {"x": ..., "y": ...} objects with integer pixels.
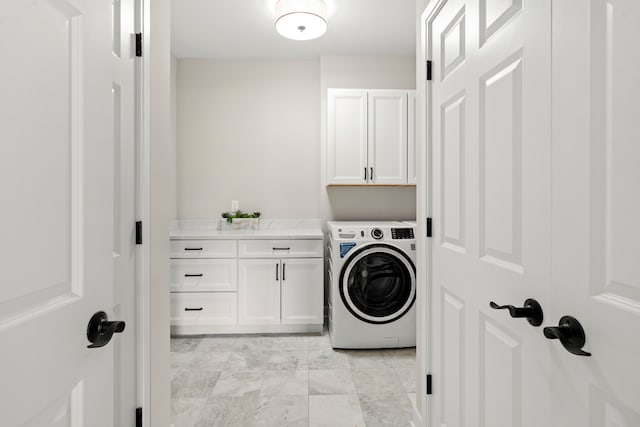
[{"x": 301, "y": 19}]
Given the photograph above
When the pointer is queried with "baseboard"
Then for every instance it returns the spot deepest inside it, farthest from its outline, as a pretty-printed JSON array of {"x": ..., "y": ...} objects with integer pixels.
[{"x": 244, "y": 329}]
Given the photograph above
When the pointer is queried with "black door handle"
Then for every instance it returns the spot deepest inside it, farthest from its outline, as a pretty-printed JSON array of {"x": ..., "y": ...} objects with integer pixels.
[
  {"x": 570, "y": 333},
  {"x": 531, "y": 311},
  {"x": 100, "y": 330}
]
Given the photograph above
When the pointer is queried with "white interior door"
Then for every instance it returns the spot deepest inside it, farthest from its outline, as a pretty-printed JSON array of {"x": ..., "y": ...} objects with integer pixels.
[
  {"x": 596, "y": 148},
  {"x": 124, "y": 208},
  {"x": 387, "y": 121},
  {"x": 56, "y": 182},
  {"x": 488, "y": 109}
]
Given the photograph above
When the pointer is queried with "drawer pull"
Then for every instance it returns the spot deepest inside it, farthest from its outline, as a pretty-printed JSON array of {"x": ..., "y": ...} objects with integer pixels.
[
  {"x": 193, "y": 275},
  {"x": 193, "y": 309},
  {"x": 192, "y": 249},
  {"x": 281, "y": 249}
]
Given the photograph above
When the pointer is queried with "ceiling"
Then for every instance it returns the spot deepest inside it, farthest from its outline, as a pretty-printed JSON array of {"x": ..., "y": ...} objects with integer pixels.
[{"x": 242, "y": 29}]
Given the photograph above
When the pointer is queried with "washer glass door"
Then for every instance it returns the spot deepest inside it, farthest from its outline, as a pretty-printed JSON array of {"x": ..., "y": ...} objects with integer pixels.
[{"x": 377, "y": 284}]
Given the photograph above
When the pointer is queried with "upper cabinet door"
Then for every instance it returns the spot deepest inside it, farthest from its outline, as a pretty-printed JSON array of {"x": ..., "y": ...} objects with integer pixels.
[
  {"x": 387, "y": 137},
  {"x": 347, "y": 137},
  {"x": 412, "y": 177}
]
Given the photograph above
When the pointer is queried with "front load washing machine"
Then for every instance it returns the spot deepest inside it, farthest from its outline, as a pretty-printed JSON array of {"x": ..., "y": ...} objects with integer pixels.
[{"x": 372, "y": 289}]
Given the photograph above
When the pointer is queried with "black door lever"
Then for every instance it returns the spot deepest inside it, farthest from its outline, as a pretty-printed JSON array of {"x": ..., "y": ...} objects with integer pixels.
[
  {"x": 531, "y": 311},
  {"x": 570, "y": 333},
  {"x": 100, "y": 330}
]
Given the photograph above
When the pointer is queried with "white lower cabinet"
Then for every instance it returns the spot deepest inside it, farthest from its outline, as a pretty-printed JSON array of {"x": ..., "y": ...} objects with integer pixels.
[
  {"x": 301, "y": 289},
  {"x": 204, "y": 308},
  {"x": 281, "y": 291},
  {"x": 259, "y": 286},
  {"x": 203, "y": 275},
  {"x": 246, "y": 286}
]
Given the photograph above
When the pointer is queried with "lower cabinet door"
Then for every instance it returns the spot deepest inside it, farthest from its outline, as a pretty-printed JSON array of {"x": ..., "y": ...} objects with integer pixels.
[
  {"x": 259, "y": 291},
  {"x": 204, "y": 308},
  {"x": 302, "y": 291}
]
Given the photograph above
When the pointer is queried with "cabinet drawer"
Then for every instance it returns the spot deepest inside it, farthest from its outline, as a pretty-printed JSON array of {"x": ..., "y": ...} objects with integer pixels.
[
  {"x": 204, "y": 275},
  {"x": 280, "y": 248},
  {"x": 203, "y": 248},
  {"x": 202, "y": 308}
]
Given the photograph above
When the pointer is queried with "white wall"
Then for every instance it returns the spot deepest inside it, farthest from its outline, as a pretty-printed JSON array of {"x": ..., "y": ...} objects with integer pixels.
[
  {"x": 365, "y": 203},
  {"x": 248, "y": 130},
  {"x": 254, "y": 131}
]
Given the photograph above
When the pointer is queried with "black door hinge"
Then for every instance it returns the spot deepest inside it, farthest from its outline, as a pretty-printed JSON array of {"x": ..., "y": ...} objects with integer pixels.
[
  {"x": 429, "y": 71},
  {"x": 139, "y": 45},
  {"x": 138, "y": 417},
  {"x": 429, "y": 227},
  {"x": 429, "y": 391},
  {"x": 138, "y": 232}
]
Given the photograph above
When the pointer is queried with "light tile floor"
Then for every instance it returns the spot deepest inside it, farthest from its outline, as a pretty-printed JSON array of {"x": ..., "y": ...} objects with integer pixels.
[{"x": 288, "y": 380}]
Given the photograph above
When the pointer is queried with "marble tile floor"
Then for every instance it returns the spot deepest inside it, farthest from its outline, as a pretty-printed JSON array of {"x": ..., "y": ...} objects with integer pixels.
[{"x": 288, "y": 380}]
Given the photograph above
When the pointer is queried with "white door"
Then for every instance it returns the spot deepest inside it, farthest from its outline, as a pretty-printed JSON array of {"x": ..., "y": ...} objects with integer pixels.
[
  {"x": 347, "y": 136},
  {"x": 488, "y": 109},
  {"x": 302, "y": 291},
  {"x": 596, "y": 207},
  {"x": 124, "y": 208},
  {"x": 387, "y": 155},
  {"x": 56, "y": 165},
  {"x": 259, "y": 291}
]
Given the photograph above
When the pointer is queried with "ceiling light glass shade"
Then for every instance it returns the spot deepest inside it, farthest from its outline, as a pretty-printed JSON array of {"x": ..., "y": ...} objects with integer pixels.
[{"x": 301, "y": 19}]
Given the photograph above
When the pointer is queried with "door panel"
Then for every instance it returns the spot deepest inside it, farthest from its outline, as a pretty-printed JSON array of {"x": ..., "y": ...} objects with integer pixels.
[
  {"x": 500, "y": 142},
  {"x": 452, "y": 355},
  {"x": 596, "y": 277},
  {"x": 56, "y": 179},
  {"x": 491, "y": 209},
  {"x": 500, "y": 376},
  {"x": 453, "y": 166}
]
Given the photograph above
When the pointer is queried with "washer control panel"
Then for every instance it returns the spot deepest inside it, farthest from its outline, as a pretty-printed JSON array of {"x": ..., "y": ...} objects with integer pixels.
[
  {"x": 402, "y": 233},
  {"x": 356, "y": 234}
]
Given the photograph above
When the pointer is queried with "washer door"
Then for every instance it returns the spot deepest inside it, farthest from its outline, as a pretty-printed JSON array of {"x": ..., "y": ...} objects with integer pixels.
[{"x": 378, "y": 283}]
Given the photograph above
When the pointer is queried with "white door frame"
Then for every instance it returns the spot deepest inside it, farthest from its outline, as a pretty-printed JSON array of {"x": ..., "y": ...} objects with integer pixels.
[
  {"x": 143, "y": 213},
  {"x": 423, "y": 245}
]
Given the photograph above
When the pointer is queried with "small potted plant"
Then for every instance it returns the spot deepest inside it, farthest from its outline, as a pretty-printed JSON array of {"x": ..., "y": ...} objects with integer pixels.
[{"x": 239, "y": 220}]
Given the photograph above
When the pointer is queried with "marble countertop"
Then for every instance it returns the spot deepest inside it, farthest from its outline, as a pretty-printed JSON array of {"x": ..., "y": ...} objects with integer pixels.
[{"x": 268, "y": 229}]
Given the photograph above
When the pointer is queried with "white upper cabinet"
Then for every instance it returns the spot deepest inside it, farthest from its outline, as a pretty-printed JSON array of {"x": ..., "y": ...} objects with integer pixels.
[
  {"x": 387, "y": 149},
  {"x": 412, "y": 176},
  {"x": 368, "y": 136},
  {"x": 347, "y": 136}
]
